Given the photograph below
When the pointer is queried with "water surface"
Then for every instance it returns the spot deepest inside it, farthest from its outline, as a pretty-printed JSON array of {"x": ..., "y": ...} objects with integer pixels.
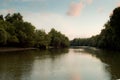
[{"x": 62, "y": 64}]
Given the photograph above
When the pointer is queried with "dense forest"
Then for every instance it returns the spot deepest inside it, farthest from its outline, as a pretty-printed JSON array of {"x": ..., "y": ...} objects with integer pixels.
[
  {"x": 109, "y": 38},
  {"x": 15, "y": 32}
]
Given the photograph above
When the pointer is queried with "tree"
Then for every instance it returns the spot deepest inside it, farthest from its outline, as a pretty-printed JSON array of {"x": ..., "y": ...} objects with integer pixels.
[
  {"x": 115, "y": 26},
  {"x": 25, "y": 33},
  {"x": 1, "y": 17},
  {"x": 12, "y": 18},
  {"x": 3, "y": 37},
  {"x": 54, "y": 38},
  {"x": 64, "y": 41},
  {"x": 115, "y": 21},
  {"x": 15, "y": 32},
  {"x": 58, "y": 40},
  {"x": 109, "y": 36},
  {"x": 42, "y": 40}
]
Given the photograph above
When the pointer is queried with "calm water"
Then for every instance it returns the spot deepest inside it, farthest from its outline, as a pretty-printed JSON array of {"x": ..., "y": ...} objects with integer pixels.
[{"x": 67, "y": 64}]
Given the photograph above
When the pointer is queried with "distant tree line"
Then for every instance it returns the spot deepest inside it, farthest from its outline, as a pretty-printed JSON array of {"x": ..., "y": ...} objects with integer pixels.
[
  {"x": 109, "y": 38},
  {"x": 15, "y": 32}
]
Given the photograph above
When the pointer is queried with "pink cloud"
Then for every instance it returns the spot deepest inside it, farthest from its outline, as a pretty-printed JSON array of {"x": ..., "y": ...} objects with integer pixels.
[
  {"x": 75, "y": 9},
  {"x": 118, "y": 4},
  {"x": 89, "y": 1}
]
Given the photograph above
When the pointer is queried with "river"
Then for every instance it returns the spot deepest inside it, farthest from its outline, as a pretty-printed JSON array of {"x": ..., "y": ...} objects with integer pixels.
[{"x": 84, "y": 63}]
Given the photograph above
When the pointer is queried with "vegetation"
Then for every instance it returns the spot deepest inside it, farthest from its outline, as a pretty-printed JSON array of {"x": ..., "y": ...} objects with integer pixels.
[
  {"x": 15, "y": 32},
  {"x": 58, "y": 40},
  {"x": 109, "y": 36}
]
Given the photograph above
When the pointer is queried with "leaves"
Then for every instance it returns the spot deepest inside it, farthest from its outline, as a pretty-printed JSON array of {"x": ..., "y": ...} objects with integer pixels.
[
  {"x": 109, "y": 36},
  {"x": 15, "y": 32}
]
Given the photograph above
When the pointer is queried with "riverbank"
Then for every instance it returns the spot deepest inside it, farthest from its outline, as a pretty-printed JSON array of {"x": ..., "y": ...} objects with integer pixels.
[{"x": 4, "y": 49}]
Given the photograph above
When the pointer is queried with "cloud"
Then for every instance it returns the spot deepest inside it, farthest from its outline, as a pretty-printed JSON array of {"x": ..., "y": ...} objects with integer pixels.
[
  {"x": 31, "y": 0},
  {"x": 118, "y": 4},
  {"x": 22, "y": 0},
  {"x": 75, "y": 9},
  {"x": 89, "y": 1}
]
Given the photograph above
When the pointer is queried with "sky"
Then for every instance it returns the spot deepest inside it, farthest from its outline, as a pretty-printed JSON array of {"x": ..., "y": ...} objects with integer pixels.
[{"x": 74, "y": 18}]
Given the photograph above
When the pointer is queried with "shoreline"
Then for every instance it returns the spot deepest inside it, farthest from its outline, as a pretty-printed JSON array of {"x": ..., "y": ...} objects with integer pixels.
[{"x": 9, "y": 49}]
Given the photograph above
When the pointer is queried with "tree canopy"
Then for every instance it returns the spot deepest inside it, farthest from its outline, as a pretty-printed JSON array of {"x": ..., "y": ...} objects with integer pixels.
[
  {"x": 15, "y": 32},
  {"x": 109, "y": 36},
  {"x": 58, "y": 40}
]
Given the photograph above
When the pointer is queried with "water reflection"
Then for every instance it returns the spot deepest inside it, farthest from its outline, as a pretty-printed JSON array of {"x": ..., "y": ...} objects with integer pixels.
[
  {"x": 110, "y": 58},
  {"x": 60, "y": 64},
  {"x": 15, "y": 65},
  {"x": 19, "y": 65},
  {"x": 92, "y": 67}
]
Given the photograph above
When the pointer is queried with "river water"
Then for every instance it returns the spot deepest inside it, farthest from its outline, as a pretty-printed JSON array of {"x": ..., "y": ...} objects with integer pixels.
[{"x": 83, "y": 63}]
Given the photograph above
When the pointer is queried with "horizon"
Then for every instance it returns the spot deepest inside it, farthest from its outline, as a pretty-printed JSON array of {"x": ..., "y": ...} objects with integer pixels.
[{"x": 74, "y": 18}]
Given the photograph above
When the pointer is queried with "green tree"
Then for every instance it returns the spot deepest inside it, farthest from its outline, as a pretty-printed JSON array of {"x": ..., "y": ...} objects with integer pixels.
[
  {"x": 25, "y": 33},
  {"x": 1, "y": 17},
  {"x": 14, "y": 17},
  {"x": 15, "y": 32},
  {"x": 58, "y": 40},
  {"x": 64, "y": 41},
  {"x": 3, "y": 37},
  {"x": 42, "y": 40},
  {"x": 115, "y": 27},
  {"x": 109, "y": 36}
]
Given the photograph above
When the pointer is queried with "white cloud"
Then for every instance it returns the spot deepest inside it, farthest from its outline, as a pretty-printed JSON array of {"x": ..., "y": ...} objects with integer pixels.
[{"x": 89, "y": 1}]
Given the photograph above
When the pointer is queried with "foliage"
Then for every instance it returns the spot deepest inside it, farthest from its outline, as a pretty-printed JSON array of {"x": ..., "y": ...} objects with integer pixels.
[
  {"x": 58, "y": 40},
  {"x": 15, "y": 32},
  {"x": 3, "y": 37},
  {"x": 42, "y": 40},
  {"x": 25, "y": 33},
  {"x": 109, "y": 36},
  {"x": 12, "y": 18}
]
